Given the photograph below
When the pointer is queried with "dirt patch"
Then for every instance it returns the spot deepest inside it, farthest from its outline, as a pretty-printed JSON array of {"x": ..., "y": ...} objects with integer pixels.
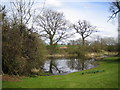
[{"x": 12, "y": 78}]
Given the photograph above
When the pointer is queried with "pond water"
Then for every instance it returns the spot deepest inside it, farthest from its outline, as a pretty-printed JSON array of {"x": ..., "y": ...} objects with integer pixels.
[{"x": 63, "y": 66}]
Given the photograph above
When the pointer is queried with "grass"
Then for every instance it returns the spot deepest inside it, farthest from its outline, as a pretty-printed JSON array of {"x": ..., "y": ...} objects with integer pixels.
[{"x": 106, "y": 79}]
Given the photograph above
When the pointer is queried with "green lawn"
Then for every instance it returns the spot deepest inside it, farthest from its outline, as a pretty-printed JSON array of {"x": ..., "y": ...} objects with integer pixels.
[{"x": 106, "y": 79}]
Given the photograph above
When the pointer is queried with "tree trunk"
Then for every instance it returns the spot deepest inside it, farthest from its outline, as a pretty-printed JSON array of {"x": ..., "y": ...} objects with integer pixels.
[
  {"x": 83, "y": 41},
  {"x": 51, "y": 42},
  {"x": 82, "y": 64},
  {"x": 51, "y": 53},
  {"x": 50, "y": 69}
]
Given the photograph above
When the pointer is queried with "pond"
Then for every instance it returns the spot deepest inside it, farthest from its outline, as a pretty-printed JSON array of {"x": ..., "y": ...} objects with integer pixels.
[{"x": 63, "y": 66}]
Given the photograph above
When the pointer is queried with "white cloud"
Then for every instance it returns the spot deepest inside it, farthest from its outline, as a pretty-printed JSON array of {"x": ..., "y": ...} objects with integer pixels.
[
  {"x": 97, "y": 19},
  {"x": 54, "y": 3}
]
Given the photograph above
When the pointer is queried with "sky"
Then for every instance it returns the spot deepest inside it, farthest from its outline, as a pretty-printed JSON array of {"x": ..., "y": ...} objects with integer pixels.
[{"x": 94, "y": 11}]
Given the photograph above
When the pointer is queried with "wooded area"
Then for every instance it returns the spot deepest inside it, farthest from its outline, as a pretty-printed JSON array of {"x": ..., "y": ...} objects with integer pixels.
[{"x": 24, "y": 37}]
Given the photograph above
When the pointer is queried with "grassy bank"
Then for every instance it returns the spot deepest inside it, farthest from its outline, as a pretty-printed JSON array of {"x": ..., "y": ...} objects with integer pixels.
[{"x": 106, "y": 79}]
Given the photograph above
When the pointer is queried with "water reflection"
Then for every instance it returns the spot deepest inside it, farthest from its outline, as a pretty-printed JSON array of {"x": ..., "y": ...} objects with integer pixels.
[{"x": 64, "y": 66}]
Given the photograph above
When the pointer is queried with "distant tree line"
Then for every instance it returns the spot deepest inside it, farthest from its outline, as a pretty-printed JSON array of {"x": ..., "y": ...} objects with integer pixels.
[{"x": 97, "y": 45}]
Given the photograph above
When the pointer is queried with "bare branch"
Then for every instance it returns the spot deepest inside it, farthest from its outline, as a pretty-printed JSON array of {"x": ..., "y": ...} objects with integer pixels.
[
  {"x": 115, "y": 9},
  {"x": 21, "y": 11}
]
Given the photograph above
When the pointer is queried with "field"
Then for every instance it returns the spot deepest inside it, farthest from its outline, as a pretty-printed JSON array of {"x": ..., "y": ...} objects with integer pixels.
[{"x": 103, "y": 76}]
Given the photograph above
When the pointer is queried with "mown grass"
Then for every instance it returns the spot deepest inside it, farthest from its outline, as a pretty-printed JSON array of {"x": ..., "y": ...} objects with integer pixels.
[{"x": 106, "y": 79}]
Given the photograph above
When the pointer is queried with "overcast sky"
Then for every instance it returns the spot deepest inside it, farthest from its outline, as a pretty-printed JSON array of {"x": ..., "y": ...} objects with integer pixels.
[{"x": 95, "y": 11}]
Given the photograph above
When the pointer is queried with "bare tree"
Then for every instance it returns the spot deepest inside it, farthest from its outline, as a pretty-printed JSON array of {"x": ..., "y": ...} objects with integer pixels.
[
  {"x": 115, "y": 9},
  {"x": 21, "y": 11},
  {"x": 21, "y": 49},
  {"x": 53, "y": 26},
  {"x": 21, "y": 14},
  {"x": 84, "y": 29}
]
